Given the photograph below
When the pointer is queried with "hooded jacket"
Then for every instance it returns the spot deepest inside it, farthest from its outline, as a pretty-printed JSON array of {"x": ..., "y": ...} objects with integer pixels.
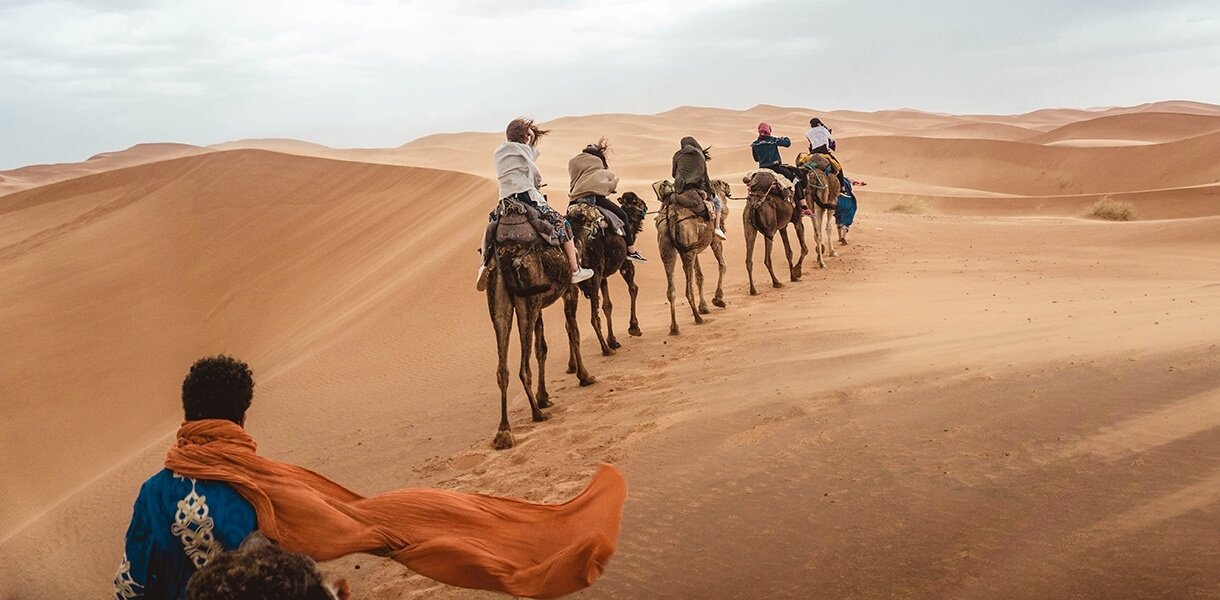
[{"x": 690, "y": 168}]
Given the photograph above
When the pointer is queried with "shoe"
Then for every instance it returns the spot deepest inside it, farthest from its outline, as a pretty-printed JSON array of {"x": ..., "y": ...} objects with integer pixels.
[
  {"x": 481, "y": 283},
  {"x": 581, "y": 274},
  {"x": 636, "y": 256},
  {"x": 720, "y": 234}
]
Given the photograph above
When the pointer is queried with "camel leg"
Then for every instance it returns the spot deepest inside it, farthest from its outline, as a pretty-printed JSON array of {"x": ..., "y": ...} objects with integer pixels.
[
  {"x": 751, "y": 237},
  {"x": 570, "y": 301},
  {"x": 594, "y": 315},
  {"x": 633, "y": 289},
  {"x": 718, "y": 252},
  {"x": 799, "y": 232},
  {"x": 544, "y": 397},
  {"x": 688, "y": 268},
  {"x": 818, "y": 213},
  {"x": 608, "y": 308},
  {"x": 576, "y": 363},
  {"x": 769, "y": 243},
  {"x": 830, "y": 220},
  {"x": 501, "y": 308},
  {"x": 669, "y": 256},
  {"x": 527, "y": 319},
  {"x": 699, "y": 285},
  {"x": 794, "y": 274}
]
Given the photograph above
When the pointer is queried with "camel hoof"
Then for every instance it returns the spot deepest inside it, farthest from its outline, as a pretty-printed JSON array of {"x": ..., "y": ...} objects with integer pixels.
[
  {"x": 614, "y": 344},
  {"x": 608, "y": 351},
  {"x": 699, "y": 320},
  {"x": 540, "y": 417},
  {"x": 673, "y": 331},
  {"x": 753, "y": 292},
  {"x": 587, "y": 380},
  {"x": 504, "y": 440},
  {"x": 719, "y": 302},
  {"x": 571, "y": 370},
  {"x": 545, "y": 402},
  {"x": 703, "y": 310},
  {"x": 776, "y": 284},
  {"x": 635, "y": 332}
]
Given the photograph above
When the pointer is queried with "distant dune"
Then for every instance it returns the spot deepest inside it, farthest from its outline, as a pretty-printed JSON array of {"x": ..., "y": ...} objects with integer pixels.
[{"x": 35, "y": 175}]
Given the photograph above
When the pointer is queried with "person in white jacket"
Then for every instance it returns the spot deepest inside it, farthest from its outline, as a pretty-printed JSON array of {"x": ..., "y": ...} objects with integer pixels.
[
  {"x": 519, "y": 178},
  {"x": 818, "y": 136}
]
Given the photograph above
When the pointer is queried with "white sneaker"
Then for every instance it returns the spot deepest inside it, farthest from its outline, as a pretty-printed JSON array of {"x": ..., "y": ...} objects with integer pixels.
[
  {"x": 581, "y": 274},
  {"x": 481, "y": 283},
  {"x": 720, "y": 234}
]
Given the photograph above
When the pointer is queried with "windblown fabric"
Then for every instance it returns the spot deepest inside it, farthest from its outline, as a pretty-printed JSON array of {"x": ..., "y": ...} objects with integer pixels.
[{"x": 466, "y": 540}]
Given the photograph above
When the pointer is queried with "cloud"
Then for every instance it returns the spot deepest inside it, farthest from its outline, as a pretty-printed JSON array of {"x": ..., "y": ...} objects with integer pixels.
[{"x": 83, "y": 77}]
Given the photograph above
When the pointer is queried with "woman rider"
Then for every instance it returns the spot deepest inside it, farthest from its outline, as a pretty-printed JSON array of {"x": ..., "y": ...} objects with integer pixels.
[
  {"x": 593, "y": 181},
  {"x": 520, "y": 179}
]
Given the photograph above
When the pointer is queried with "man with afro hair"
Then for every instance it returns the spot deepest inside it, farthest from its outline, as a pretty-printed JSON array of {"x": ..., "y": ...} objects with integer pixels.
[{"x": 180, "y": 524}]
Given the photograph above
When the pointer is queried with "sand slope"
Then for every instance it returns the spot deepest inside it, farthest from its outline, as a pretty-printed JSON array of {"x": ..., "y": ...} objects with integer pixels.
[
  {"x": 15, "y": 180},
  {"x": 959, "y": 406},
  {"x": 126, "y": 276}
]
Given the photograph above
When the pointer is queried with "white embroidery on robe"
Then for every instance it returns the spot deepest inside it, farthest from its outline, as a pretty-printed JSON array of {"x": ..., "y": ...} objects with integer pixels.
[
  {"x": 194, "y": 528},
  {"x": 124, "y": 585}
]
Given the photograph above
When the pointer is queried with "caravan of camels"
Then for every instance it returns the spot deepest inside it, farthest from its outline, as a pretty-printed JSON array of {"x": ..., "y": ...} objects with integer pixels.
[{"x": 533, "y": 255}]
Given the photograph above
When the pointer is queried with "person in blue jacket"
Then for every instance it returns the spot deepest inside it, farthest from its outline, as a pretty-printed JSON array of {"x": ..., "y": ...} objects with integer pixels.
[
  {"x": 766, "y": 154},
  {"x": 179, "y": 524}
]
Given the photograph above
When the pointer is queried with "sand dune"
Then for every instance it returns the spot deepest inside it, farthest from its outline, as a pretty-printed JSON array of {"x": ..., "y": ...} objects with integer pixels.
[
  {"x": 33, "y": 176},
  {"x": 127, "y": 275},
  {"x": 1152, "y": 127},
  {"x": 983, "y": 401}
]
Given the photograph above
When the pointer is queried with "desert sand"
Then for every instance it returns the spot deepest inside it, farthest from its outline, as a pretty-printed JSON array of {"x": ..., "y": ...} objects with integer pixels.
[{"x": 998, "y": 397}]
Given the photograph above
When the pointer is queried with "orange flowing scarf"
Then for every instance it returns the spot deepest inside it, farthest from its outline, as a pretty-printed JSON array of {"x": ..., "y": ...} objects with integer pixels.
[{"x": 466, "y": 540}]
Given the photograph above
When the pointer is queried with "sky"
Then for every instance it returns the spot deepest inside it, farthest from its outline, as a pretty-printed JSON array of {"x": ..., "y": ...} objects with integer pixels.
[{"x": 78, "y": 78}]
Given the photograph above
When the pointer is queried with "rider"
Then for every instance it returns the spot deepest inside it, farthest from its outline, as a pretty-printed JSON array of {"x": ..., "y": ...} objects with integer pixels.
[
  {"x": 766, "y": 153},
  {"x": 818, "y": 136},
  {"x": 593, "y": 181},
  {"x": 520, "y": 179},
  {"x": 690, "y": 172}
]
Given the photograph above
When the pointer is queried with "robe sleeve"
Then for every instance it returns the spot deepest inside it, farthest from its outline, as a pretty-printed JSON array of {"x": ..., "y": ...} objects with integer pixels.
[{"x": 132, "y": 578}]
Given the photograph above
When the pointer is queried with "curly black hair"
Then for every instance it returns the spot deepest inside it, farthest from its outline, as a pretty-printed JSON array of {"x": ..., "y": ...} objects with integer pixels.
[
  {"x": 218, "y": 387},
  {"x": 260, "y": 572}
]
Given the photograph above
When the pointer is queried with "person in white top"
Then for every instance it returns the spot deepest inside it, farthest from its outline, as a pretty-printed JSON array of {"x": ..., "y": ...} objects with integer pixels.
[
  {"x": 818, "y": 136},
  {"x": 520, "y": 178}
]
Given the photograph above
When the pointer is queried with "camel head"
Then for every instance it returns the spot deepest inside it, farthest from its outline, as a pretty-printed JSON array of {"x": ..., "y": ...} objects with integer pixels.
[
  {"x": 722, "y": 188},
  {"x": 636, "y": 209}
]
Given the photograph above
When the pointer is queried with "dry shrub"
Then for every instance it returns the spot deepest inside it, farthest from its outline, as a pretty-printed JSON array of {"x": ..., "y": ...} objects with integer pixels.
[
  {"x": 1113, "y": 210},
  {"x": 911, "y": 206}
]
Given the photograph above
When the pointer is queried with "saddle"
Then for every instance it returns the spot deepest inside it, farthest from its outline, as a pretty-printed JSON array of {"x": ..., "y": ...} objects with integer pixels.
[
  {"x": 604, "y": 219},
  {"x": 522, "y": 223},
  {"x": 762, "y": 181},
  {"x": 827, "y": 163},
  {"x": 693, "y": 199}
]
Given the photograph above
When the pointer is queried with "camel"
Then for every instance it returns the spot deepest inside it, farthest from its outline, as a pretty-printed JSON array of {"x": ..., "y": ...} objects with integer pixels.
[
  {"x": 605, "y": 252},
  {"x": 681, "y": 231},
  {"x": 769, "y": 208},
  {"x": 528, "y": 275},
  {"x": 822, "y": 195}
]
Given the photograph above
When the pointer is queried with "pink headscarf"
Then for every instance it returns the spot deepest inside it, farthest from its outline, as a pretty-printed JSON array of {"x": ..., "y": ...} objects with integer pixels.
[{"x": 764, "y": 129}]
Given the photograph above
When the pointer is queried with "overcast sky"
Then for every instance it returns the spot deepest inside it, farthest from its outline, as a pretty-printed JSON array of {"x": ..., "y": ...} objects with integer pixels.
[{"x": 77, "y": 78}]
